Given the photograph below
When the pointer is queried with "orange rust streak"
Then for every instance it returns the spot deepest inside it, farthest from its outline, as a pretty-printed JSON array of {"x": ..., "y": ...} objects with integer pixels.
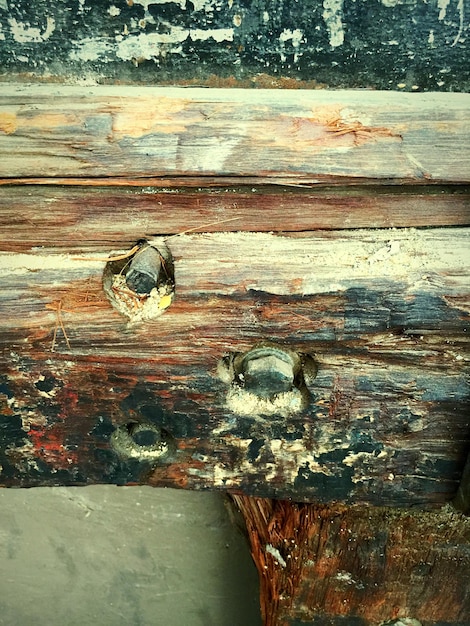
[{"x": 8, "y": 123}]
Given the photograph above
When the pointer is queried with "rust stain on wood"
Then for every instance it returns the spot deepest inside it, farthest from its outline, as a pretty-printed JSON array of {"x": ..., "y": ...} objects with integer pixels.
[
  {"x": 368, "y": 565},
  {"x": 8, "y": 122}
]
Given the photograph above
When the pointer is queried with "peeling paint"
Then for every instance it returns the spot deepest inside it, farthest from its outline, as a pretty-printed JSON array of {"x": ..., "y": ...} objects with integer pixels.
[
  {"x": 144, "y": 46},
  {"x": 295, "y": 37},
  {"x": 267, "y": 39},
  {"x": 333, "y": 17},
  {"x": 442, "y": 6},
  {"x": 24, "y": 33},
  {"x": 150, "y": 45},
  {"x": 218, "y": 34},
  {"x": 91, "y": 49}
]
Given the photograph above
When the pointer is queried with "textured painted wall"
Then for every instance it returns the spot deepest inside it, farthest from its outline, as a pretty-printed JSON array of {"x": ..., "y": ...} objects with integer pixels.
[{"x": 388, "y": 44}]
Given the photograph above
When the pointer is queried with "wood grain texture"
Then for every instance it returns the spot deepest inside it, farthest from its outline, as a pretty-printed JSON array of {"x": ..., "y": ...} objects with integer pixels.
[
  {"x": 49, "y": 131},
  {"x": 71, "y": 216},
  {"x": 358, "y": 566},
  {"x": 385, "y": 312}
]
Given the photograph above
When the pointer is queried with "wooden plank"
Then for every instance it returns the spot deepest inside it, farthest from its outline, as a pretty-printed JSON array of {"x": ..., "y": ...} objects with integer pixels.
[
  {"x": 49, "y": 130},
  {"x": 31, "y": 215},
  {"x": 384, "y": 312},
  {"x": 358, "y": 566}
]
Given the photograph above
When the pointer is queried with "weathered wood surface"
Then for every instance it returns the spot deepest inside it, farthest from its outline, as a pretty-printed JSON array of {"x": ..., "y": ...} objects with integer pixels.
[
  {"x": 356, "y": 566},
  {"x": 385, "y": 312},
  {"x": 85, "y": 173},
  {"x": 50, "y": 131},
  {"x": 385, "y": 44},
  {"x": 72, "y": 216}
]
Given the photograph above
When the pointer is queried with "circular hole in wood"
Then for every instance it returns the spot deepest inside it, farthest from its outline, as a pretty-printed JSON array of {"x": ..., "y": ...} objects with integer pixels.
[
  {"x": 141, "y": 284},
  {"x": 143, "y": 441}
]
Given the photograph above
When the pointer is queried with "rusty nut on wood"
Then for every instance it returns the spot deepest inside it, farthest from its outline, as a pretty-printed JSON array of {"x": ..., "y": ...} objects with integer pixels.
[{"x": 267, "y": 380}]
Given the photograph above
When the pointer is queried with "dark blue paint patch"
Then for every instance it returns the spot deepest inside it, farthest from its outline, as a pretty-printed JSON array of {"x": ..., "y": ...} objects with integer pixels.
[
  {"x": 361, "y": 441},
  {"x": 376, "y": 311},
  {"x": 446, "y": 389},
  {"x": 47, "y": 384},
  {"x": 336, "y": 487},
  {"x": 254, "y": 449},
  {"x": 5, "y": 387},
  {"x": 11, "y": 432}
]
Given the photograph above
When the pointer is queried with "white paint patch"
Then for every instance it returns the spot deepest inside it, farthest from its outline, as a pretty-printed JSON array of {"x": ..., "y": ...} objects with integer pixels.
[
  {"x": 295, "y": 36},
  {"x": 24, "y": 33},
  {"x": 92, "y": 49},
  {"x": 211, "y": 156},
  {"x": 114, "y": 11},
  {"x": 145, "y": 46},
  {"x": 270, "y": 549},
  {"x": 150, "y": 45},
  {"x": 442, "y": 6},
  {"x": 385, "y": 252},
  {"x": 24, "y": 263},
  {"x": 218, "y": 34},
  {"x": 146, "y": 3},
  {"x": 332, "y": 16}
]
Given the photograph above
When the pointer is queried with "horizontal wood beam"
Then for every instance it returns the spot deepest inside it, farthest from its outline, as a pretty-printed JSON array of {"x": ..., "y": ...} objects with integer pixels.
[
  {"x": 384, "y": 314},
  {"x": 104, "y": 216},
  {"x": 70, "y": 131}
]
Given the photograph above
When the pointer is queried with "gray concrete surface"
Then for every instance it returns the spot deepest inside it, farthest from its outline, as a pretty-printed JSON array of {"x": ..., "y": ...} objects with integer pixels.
[{"x": 115, "y": 556}]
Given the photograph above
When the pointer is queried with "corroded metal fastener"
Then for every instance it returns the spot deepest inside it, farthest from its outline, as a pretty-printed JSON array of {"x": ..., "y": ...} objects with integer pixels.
[
  {"x": 141, "y": 285},
  {"x": 267, "y": 380},
  {"x": 145, "y": 269}
]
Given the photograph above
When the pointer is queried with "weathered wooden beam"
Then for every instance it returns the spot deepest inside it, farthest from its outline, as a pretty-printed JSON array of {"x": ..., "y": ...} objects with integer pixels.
[
  {"x": 66, "y": 217},
  {"x": 60, "y": 131},
  {"x": 358, "y": 566},
  {"x": 383, "y": 312}
]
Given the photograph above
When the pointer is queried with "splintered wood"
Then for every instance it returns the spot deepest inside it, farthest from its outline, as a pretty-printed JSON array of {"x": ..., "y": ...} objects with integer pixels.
[{"x": 319, "y": 564}]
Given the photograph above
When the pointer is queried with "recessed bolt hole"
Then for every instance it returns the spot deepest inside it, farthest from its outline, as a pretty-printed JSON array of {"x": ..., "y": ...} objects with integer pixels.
[
  {"x": 141, "y": 285},
  {"x": 143, "y": 441},
  {"x": 146, "y": 438}
]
